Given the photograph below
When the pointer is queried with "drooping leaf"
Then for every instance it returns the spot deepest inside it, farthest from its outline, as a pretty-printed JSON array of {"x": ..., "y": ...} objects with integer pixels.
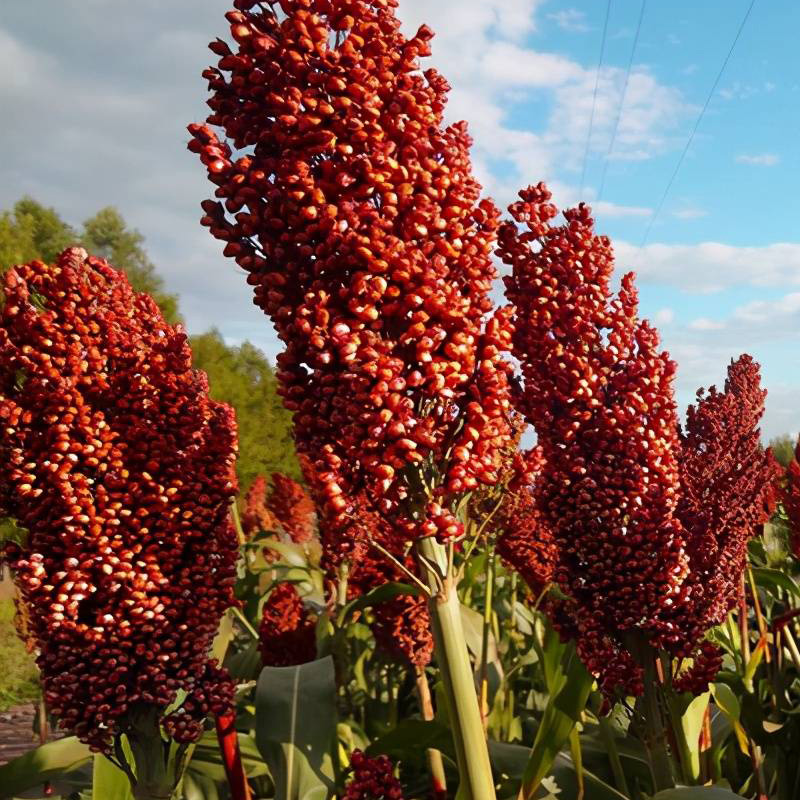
[
  {"x": 692, "y": 724},
  {"x": 560, "y": 715},
  {"x": 409, "y": 740},
  {"x": 207, "y": 759},
  {"x": 296, "y": 728},
  {"x": 771, "y": 579},
  {"x": 380, "y": 594},
  {"x": 49, "y": 762},
  {"x": 109, "y": 782}
]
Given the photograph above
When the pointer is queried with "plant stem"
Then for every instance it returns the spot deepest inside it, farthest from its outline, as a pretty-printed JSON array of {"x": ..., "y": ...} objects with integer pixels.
[
  {"x": 487, "y": 627},
  {"x": 744, "y": 628},
  {"x": 762, "y": 625},
  {"x": 654, "y": 727},
  {"x": 607, "y": 735},
  {"x": 435, "y": 762},
  {"x": 237, "y": 523},
  {"x": 472, "y": 752},
  {"x": 228, "y": 739},
  {"x": 153, "y": 781}
]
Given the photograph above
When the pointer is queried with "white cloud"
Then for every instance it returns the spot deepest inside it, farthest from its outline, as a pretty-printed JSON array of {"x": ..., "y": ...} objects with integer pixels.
[
  {"x": 759, "y": 159},
  {"x": 705, "y": 324},
  {"x": 492, "y": 69},
  {"x": 570, "y": 19},
  {"x": 712, "y": 266},
  {"x": 664, "y": 316},
  {"x": 690, "y": 212}
]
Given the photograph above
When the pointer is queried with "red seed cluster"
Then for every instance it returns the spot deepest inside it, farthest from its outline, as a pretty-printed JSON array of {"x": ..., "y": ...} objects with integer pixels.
[
  {"x": 524, "y": 542},
  {"x": 728, "y": 491},
  {"x": 256, "y": 516},
  {"x": 706, "y": 663},
  {"x": 121, "y": 469},
  {"x": 287, "y": 634},
  {"x": 651, "y": 525},
  {"x": 355, "y": 213},
  {"x": 402, "y": 625},
  {"x": 293, "y": 508},
  {"x": 372, "y": 779},
  {"x": 599, "y": 393},
  {"x": 791, "y": 500}
]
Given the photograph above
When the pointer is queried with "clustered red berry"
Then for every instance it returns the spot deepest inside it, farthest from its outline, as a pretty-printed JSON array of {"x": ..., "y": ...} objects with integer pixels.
[
  {"x": 355, "y": 213},
  {"x": 287, "y": 635},
  {"x": 292, "y": 508},
  {"x": 650, "y": 526},
  {"x": 121, "y": 469},
  {"x": 256, "y": 516},
  {"x": 523, "y": 541},
  {"x": 728, "y": 491},
  {"x": 599, "y": 394},
  {"x": 791, "y": 500},
  {"x": 372, "y": 779},
  {"x": 706, "y": 663}
]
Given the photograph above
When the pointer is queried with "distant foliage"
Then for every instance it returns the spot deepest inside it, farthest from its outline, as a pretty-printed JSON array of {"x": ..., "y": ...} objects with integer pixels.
[
  {"x": 783, "y": 449},
  {"x": 32, "y": 231},
  {"x": 242, "y": 377}
]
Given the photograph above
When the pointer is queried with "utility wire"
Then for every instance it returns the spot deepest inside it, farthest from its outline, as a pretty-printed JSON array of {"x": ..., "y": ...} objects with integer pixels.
[
  {"x": 594, "y": 95},
  {"x": 696, "y": 125},
  {"x": 621, "y": 103}
]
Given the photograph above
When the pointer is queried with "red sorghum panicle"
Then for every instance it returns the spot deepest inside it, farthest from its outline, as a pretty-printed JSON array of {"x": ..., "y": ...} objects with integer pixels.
[
  {"x": 372, "y": 779},
  {"x": 728, "y": 491},
  {"x": 121, "y": 469},
  {"x": 523, "y": 540},
  {"x": 706, "y": 663},
  {"x": 256, "y": 516},
  {"x": 287, "y": 634},
  {"x": 791, "y": 500},
  {"x": 293, "y": 508},
  {"x": 354, "y": 210},
  {"x": 599, "y": 393},
  {"x": 401, "y": 625}
]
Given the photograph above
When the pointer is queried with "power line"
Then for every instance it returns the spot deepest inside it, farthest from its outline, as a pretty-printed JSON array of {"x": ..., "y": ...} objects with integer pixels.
[
  {"x": 594, "y": 95},
  {"x": 621, "y": 103},
  {"x": 697, "y": 124}
]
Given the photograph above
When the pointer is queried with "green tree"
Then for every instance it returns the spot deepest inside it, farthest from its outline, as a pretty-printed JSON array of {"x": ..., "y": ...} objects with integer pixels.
[
  {"x": 106, "y": 235},
  {"x": 243, "y": 377},
  {"x": 783, "y": 449},
  {"x": 31, "y": 230}
]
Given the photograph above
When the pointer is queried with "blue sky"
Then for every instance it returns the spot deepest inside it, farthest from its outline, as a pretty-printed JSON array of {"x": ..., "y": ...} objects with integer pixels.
[{"x": 96, "y": 95}]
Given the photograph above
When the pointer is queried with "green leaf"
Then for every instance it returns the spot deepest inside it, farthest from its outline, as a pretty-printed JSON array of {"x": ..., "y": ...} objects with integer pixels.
[
  {"x": 770, "y": 578},
  {"x": 510, "y": 760},
  {"x": 752, "y": 665},
  {"x": 728, "y": 704},
  {"x": 692, "y": 724},
  {"x": 109, "y": 782},
  {"x": 697, "y": 793},
  {"x": 296, "y": 728},
  {"x": 293, "y": 554},
  {"x": 381, "y": 594},
  {"x": 560, "y": 715},
  {"x": 46, "y": 763},
  {"x": 199, "y": 787},
  {"x": 207, "y": 759},
  {"x": 409, "y": 740}
]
